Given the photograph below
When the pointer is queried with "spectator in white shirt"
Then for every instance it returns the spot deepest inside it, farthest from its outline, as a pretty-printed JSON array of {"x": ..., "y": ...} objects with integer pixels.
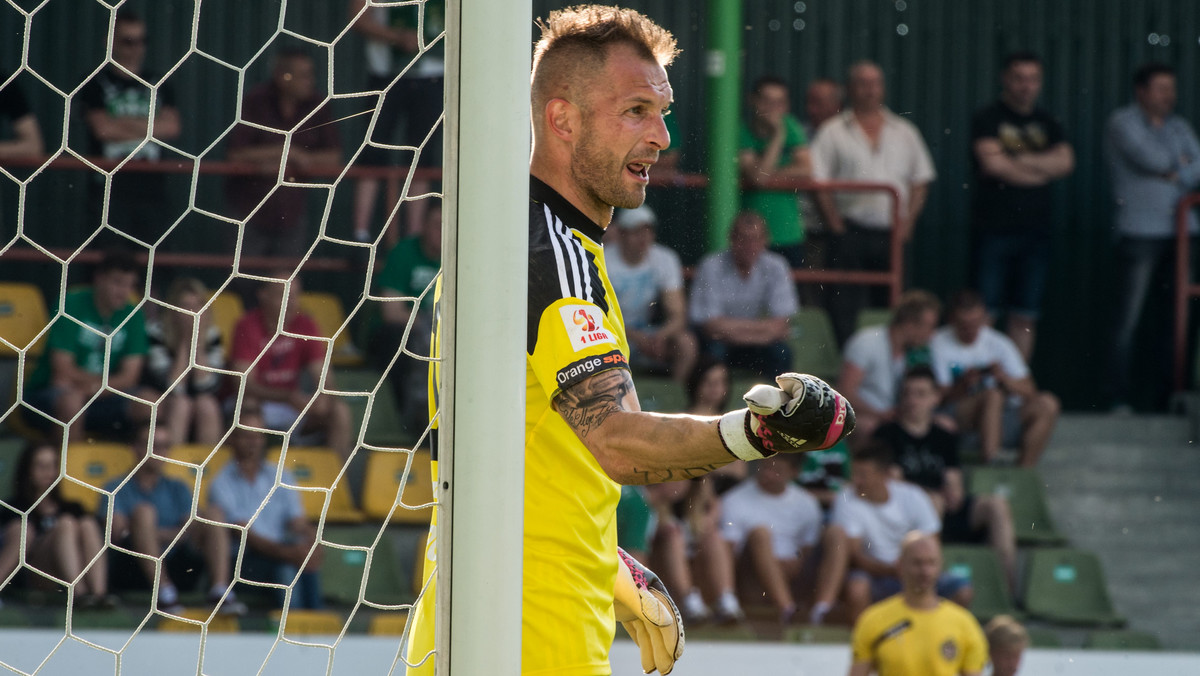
[
  {"x": 987, "y": 386},
  {"x": 648, "y": 279},
  {"x": 867, "y": 142}
]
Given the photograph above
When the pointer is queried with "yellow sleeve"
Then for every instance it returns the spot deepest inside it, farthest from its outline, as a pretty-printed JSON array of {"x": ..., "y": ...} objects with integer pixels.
[
  {"x": 575, "y": 340},
  {"x": 975, "y": 653},
  {"x": 861, "y": 649}
]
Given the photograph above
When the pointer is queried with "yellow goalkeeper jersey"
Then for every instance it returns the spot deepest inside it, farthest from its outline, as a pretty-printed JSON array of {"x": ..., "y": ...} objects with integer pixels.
[
  {"x": 902, "y": 641},
  {"x": 575, "y": 330}
]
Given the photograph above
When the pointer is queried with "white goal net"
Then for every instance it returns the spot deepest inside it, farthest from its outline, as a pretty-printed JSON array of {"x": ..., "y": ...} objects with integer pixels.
[{"x": 216, "y": 293}]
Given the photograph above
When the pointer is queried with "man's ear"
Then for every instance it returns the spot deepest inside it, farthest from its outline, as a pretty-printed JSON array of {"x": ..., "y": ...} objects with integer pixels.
[{"x": 563, "y": 119}]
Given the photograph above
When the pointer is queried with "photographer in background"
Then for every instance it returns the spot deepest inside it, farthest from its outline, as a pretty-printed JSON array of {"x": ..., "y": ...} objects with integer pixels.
[{"x": 987, "y": 386}]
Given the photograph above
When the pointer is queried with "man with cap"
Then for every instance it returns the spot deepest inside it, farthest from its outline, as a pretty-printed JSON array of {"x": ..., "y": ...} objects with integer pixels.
[{"x": 648, "y": 279}]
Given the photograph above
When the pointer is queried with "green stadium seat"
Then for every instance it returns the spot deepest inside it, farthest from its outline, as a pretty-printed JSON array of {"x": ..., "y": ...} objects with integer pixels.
[
  {"x": 814, "y": 348},
  {"x": 342, "y": 569},
  {"x": 10, "y": 453},
  {"x": 1043, "y": 637},
  {"x": 1066, "y": 586},
  {"x": 873, "y": 316},
  {"x": 980, "y": 565},
  {"x": 661, "y": 395},
  {"x": 1024, "y": 490},
  {"x": 1121, "y": 639}
]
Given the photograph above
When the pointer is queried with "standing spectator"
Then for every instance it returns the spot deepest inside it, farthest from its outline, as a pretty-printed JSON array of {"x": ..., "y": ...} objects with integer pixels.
[
  {"x": 110, "y": 330},
  {"x": 395, "y": 37},
  {"x": 867, "y": 143},
  {"x": 771, "y": 524},
  {"x": 279, "y": 226},
  {"x": 822, "y": 101},
  {"x": 927, "y": 455},
  {"x": 411, "y": 267},
  {"x": 1154, "y": 159},
  {"x": 648, "y": 279},
  {"x": 27, "y": 135},
  {"x": 773, "y": 145},
  {"x": 915, "y": 632},
  {"x": 987, "y": 386},
  {"x": 876, "y": 357},
  {"x": 149, "y": 511},
  {"x": 122, "y": 114},
  {"x": 742, "y": 300},
  {"x": 191, "y": 405},
  {"x": 274, "y": 383},
  {"x": 876, "y": 512},
  {"x": 1018, "y": 149},
  {"x": 60, "y": 538},
  {"x": 1007, "y": 641},
  {"x": 280, "y": 544}
]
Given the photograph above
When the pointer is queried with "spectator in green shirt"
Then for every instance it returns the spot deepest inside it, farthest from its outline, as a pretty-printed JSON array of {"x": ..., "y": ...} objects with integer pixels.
[
  {"x": 94, "y": 322},
  {"x": 773, "y": 145},
  {"x": 408, "y": 274}
]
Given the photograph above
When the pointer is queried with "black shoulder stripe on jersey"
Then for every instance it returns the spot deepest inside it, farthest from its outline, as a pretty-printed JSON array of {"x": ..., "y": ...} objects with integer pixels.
[
  {"x": 891, "y": 632},
  {"x": 581, "y": 369},
  {"x": 559, "y": 265}
]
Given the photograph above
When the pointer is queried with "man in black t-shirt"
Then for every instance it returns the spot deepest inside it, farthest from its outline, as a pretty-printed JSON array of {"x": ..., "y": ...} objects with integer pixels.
[
  {"x": 117, "y": 110},
  {"x": 1018, "y": 150},
  {"x": 926, "y": 454}
]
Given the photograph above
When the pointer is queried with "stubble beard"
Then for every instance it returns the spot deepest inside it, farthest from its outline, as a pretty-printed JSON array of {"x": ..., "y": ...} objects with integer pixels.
[{"x": 599, "y": 176}]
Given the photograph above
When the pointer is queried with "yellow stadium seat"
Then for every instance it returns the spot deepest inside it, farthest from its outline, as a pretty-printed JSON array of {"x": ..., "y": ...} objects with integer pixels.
[
  {"x": 389, "y": 623},
  {"x": 317, "y": 467},
  {"x": 95, "y": 464},
  {"x": 326, "y": 309},
  {"x": 224, "y": 624},
  {"x": 308, "y": 622},
  {"x": 226, "y": 310},
  {"x": 196, "y": 454},
  {"x": 385, "y": 473},
  {"x": 22, "y": 315}
]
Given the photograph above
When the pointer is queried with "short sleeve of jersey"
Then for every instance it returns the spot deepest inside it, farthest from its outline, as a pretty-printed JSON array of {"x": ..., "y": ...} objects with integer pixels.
[
  {"x": 975, "y": 652},
  {"x": 314, "y": 350},
  {"x": 861, "y": 639},
  {"x": 571, "y": 335},
  {"x": 137, "y": 343}
]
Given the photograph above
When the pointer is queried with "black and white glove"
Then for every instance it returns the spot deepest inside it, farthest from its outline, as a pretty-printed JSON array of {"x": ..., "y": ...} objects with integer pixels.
[
  {"x": 643, "y": 606},
  {"x": 803, "y": 414}
]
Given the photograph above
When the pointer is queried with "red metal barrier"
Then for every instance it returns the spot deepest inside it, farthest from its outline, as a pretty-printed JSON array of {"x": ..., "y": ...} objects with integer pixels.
[
  {"x": 1185, "y": 290},
  {"x": 395, "y": 176}
]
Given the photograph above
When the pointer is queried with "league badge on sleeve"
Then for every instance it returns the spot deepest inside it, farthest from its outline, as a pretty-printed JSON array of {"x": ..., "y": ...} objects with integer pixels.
[{"x": 585, "y": 326}]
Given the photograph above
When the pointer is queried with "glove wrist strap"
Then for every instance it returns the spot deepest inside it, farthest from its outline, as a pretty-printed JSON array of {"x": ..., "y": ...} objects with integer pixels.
[{"x": 734, "y": 428}]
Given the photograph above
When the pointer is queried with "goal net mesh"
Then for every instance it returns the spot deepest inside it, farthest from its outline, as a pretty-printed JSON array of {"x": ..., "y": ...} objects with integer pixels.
[{"x": 368, "y": 501}]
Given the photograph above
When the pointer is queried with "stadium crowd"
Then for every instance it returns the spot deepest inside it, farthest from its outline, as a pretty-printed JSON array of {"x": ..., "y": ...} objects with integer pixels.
[{"x": 937, "y": 384}]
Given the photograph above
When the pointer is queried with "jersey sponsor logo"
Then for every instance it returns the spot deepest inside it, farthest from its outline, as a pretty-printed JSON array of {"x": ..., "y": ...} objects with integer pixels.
[
  {"x": 585, "y": 326},
  {"x": 578, "y": 370}
]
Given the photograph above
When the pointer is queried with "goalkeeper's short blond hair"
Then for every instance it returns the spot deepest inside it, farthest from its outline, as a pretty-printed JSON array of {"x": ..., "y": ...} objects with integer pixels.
[{"x": 575, "y": 43}]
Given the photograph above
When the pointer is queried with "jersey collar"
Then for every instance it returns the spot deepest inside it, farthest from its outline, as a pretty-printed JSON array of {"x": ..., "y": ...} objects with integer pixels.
[{"x": 539, "y": 191}]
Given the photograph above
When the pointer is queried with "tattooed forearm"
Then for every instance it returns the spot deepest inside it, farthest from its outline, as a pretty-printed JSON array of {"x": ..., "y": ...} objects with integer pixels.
[
  {"x": 660, "y": 476},
  {"x": 587, "y": 405}
]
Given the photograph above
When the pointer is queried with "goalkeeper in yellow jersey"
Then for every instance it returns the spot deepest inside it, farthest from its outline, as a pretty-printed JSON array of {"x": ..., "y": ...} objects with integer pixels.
[{"x": 599, "y": 96}]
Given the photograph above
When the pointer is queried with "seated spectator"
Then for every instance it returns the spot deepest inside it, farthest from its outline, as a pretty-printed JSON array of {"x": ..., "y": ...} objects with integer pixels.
[
  {"x": 648, "y": 279},
  {"x": 708, "y": 394},
  {"x": 1007, "y": 641},
  {"x": 192, "y": 409},
  {"x": 876, "y": 356},
  {"x": 987, "y": 386},
  {"x": 410, "y": 268},
  {"x": 742, "y": 300},
  {"x": 102, "y": 323},
  {"x": 26, "y": 141},
  {"x": 280, "y": 546},
  {"x": 688, "y": 552},
  {"x": 824, "y": 473},
  {"x": 772, "y": 524},
  {"x": 279, "y": 227},
  {"x": 927, "y": 455},
  {"x": 149, "y": 512},
  {"x": 61, "y": 539},
  {"x": 914, "y": 631},
  {"x": 274, "y": 384},
  {"x": 876, "y": 513}
]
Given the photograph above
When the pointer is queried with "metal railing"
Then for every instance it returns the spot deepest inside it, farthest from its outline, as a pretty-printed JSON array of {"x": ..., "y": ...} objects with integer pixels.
[{"x": 1185, "y": 289}]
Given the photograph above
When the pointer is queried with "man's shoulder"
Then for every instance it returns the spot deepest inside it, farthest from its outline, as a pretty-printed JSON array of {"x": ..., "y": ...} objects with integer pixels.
[
  {"x": 774, "y": 264},
  {"x": 943, "y": 338},
  {"x": 868, "y": 340},
  {"x": 713, "y": 263},
  {"x": 663, "y": 254},
  {"x": 882, "y": 611}
]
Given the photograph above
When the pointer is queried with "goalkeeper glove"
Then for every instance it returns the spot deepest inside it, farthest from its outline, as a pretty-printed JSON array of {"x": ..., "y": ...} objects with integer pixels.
[
  {"x": 643, "y": 606},
  {"x": 803, "y": 414}
]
